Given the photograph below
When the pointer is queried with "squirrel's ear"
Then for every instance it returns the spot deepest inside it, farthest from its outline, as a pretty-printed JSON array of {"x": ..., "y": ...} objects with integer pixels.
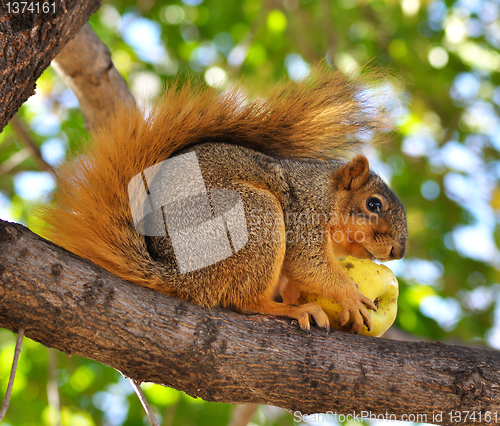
[{"x": 353, "y": 175}]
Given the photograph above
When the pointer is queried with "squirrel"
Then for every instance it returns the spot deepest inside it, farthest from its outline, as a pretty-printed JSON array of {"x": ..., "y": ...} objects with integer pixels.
[{"x": 234, "y": 203}]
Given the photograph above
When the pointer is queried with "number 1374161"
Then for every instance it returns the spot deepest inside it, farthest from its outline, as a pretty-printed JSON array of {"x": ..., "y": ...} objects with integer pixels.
[{"x": 30, "y": 7}]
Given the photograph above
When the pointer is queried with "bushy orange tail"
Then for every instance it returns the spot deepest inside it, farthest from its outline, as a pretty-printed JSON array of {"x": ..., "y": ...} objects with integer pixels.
[{"x": 320, "y": 118}]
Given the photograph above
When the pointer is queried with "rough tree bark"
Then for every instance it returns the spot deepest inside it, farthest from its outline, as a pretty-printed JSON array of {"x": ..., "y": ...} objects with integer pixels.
[
  {"x": 70, "y": 304},
  {"x": 29, "y": 41}
]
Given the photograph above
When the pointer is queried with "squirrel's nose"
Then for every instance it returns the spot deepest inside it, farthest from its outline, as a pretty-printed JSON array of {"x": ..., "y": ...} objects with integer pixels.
[{"x": 397, "y": 251}]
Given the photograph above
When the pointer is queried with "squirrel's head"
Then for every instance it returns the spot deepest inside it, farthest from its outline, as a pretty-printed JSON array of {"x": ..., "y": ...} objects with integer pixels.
[{"x": 372, "y": 221}]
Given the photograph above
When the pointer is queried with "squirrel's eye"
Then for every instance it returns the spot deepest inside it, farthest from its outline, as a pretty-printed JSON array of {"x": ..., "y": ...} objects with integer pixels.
[{"x": 374, "y": 205}]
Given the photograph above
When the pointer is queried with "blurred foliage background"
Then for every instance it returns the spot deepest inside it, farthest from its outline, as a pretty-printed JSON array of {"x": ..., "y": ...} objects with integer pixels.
[{"x": 443, "y": 162}]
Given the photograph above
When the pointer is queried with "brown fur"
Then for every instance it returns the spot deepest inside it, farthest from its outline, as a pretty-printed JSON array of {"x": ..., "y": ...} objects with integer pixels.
[{"x": 257, "y": 149}]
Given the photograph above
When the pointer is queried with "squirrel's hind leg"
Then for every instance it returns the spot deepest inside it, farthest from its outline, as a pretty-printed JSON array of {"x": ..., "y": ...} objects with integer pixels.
[
  {"x": 302, "y": 313},
  {"x": 289, "y": 308},
  {"x": 264, "y": 257}
]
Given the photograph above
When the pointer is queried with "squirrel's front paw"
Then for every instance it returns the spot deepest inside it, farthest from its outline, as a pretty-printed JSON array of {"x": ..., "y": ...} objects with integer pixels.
[{"x": 354, "y": 312}]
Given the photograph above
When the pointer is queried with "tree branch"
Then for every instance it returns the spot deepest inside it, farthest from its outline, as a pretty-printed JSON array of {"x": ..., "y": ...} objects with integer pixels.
[
  {"x": 29, "y": 41},
  {"x": 29, "y": 143},
  {"x": 144, "y": 402},
  {"x": 86, "y": 67},
  {"x": 242, "y": 414},
  {"x": 70, "y": 304},
  {"x": 10, "y": 385}
]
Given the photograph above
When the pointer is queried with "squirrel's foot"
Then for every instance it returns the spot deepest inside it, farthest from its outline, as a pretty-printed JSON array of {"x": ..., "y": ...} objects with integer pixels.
[
  {"x": 354, "y": 312},
  {"x": 303, "y": 313}
]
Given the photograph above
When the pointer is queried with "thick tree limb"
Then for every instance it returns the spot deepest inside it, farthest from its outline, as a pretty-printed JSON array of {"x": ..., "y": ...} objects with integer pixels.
[
  {"x": 86, "y": 67},
  {"x": 70, "y": 304},
  {"x": 29, "y": 41}
]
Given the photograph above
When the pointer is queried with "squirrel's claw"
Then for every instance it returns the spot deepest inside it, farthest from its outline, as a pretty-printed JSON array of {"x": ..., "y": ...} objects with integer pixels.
[
  {"x": 368, "y": 302},
  {"x": 316, "y": 312},
  {"x": 357, "y": 316},
  {"x": 367, "y": 320}
]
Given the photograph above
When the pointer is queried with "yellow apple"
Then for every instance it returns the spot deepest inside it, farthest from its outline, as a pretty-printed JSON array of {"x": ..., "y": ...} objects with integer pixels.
[{"x": 377, "y": 282}]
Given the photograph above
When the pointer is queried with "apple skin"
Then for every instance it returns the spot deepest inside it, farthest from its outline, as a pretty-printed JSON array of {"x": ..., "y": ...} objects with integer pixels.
[{"x": 377, "y": 282}]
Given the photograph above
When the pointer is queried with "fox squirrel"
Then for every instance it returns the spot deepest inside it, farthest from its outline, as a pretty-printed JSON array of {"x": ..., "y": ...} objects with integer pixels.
[{"x": 226, "y": 202}]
